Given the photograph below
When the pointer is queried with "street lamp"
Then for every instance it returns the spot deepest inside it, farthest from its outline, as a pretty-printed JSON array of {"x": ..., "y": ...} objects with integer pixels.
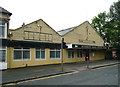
[
  {"x": 87, "y": 62},
  {"x": 62, "y": 40}
]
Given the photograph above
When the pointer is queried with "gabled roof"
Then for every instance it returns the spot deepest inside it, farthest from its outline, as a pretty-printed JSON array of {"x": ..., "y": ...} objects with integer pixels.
[
  {"x": 64, "y": 31},
  {"x": 36, "y": 21},
  {"x": 2, "y": 10}
]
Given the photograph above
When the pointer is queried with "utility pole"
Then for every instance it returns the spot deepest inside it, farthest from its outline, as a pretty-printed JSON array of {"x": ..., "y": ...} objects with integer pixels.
[
  {"x": 87, "y": 63},
  {"x": 62, "y": 40}
]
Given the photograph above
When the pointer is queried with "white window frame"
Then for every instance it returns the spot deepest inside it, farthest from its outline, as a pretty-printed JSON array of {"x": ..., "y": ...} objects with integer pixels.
[
  {"x": 40, "y": 49},
  {"x": 55, "y": 50},
  {"x": 71, "y": 56},
  {"x": 5, "y": 30},
  {"x": 4, "y": 48},
  {"x": 22, "y": 49}
]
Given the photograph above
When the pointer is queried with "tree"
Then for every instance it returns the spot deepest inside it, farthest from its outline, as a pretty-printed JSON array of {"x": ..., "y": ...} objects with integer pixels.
[
  {"x": 114, "y": 16},
  {"x": 108, "y": 25}
]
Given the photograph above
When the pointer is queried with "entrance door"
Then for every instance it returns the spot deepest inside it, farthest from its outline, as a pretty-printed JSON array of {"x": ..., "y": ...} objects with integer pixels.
[
  {"x": 3, "y": 62},
  {"x": 87, "y": 55}
]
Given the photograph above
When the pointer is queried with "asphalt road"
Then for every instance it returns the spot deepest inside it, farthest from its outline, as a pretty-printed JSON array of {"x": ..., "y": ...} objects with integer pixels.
[{"x": 101, "y": 76}]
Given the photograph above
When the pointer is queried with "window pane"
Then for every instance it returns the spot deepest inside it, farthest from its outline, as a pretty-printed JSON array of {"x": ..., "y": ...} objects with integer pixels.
[
  {"x": 57, "y": 54},
  {"x": 37, "y": 54},
  {"x": 79, "y": 53},
  {"x": 42, "y": 54},
  {"x": 72, "y": 54},
  {"x": 2, "y": 29},
  {"x": 18, "y": 54},
  {"x": 52, "y": 54},
  {"x": 69, "y": 54},
  {"x": 26, "y": 54},
  {"x": 2, "y": 55}
]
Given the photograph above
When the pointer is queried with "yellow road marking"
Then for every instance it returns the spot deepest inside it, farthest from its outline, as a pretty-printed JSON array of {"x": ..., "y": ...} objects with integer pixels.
[
  {"x": 42, "y": 78},
  {"x": 56, "y": 75},
  {"x": 48, "y": 77},
  {"x": 105, "y": 66}
]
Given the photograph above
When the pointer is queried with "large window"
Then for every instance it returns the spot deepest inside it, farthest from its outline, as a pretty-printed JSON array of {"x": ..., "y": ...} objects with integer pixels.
[
  {"x": 79, "y": 54},
  {"x": 21, "y": 54},
  {"x": 3, "y": 54},
  {"x": 3, "y": 30},
  {"x": 70, "y": 53},
  {"x": 55, "y": 53},
  {"x": 40, "y": 54}
]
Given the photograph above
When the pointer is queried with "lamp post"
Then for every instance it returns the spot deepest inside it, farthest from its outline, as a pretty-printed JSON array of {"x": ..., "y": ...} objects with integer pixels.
[
  {"x": 87, "y": 62},
  {"x": 62, "y": 40}
]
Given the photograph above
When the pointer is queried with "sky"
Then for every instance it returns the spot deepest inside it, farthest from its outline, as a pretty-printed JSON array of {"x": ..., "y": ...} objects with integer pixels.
[{"x": 59, "y": 14}]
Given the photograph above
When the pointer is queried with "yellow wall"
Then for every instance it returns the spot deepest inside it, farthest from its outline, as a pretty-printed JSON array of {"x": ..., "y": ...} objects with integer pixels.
[
  {"x": 73, "y": 37},
  {"x": 80, "y": 33},
  {"x": 19, "y": 33},
  {"x": 33, "y": 62},
  {"x": 98, "y": 55}
]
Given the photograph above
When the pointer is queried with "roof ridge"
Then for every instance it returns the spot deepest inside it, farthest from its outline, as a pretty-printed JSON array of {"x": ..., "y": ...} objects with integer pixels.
[{"x": 5, "y": 11}]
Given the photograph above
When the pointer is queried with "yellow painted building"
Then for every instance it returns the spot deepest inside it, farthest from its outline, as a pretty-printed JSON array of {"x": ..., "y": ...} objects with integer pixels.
[{"x": 38, "y": 44}]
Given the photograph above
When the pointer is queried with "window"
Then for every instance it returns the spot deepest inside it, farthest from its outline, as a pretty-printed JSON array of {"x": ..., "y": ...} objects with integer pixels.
[
  {"x": 3, "y": 54},
  {"x": 79, "y": 53},
  {"x": 92, "y": 53},
  {"x": 21, "y": 54},
  {"x": 70, "y": 53},
  {"x": 40, "y": 53},
  {"x": 3, "y": 30},
  {"x": 55, "y": 53}
]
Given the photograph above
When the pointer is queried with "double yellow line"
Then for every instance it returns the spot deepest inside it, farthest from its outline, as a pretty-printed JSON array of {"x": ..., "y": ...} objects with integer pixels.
[
  {"x": 106, "y": 66},
  {"x": 41, "y": 78}
]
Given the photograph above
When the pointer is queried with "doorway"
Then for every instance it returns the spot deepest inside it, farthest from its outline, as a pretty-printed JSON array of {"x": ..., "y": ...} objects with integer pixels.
[{"x": 87, "y": 55}]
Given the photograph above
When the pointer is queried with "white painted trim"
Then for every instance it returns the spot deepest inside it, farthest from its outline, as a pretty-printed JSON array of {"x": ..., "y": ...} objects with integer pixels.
[
  {"x": 40, "y": 51},
  {"x": 55, "y": 54},
  {"x": 22, "y": 55}
]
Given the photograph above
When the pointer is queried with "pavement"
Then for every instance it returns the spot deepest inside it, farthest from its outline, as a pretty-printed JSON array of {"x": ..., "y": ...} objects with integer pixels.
[{"x": 26, "y": 73}]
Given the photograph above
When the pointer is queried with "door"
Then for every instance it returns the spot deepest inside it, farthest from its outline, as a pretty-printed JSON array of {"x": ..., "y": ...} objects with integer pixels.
[
  {"x": 87, "y": 55},
  {"x": 3, "y": 61}
]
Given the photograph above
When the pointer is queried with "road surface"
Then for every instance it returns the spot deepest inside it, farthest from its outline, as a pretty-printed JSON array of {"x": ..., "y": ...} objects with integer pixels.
[{"x": 100, "y": 76}]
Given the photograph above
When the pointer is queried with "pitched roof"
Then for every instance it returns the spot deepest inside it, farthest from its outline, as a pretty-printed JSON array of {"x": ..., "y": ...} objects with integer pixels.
[
  {"x": 2, "y": 10},
  {"x": 64, "y": 31}
]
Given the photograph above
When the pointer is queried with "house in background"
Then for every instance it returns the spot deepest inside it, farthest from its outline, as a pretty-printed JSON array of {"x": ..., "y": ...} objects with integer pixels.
[
  {"x": 4, "y": 26},
  {"x": 38, "y": 44}
]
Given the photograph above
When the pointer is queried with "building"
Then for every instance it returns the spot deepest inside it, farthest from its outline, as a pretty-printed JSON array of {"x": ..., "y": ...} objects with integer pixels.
[{"x": 38, "y": 44}]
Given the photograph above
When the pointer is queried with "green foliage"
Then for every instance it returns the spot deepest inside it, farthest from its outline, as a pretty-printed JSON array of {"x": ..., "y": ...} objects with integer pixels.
[{"x": 108, "y": 25}]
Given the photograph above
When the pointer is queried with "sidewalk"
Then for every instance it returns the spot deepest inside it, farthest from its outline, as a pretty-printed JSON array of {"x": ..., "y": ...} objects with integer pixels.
[{"x": 12, "y": 75}]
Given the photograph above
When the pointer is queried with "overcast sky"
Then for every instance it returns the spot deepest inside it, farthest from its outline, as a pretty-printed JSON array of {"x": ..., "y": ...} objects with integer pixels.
[{"x": 59, "y": 14}]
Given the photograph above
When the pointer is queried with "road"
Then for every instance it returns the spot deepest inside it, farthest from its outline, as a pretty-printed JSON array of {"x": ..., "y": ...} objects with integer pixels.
[{"x": 101, "y": 76}]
